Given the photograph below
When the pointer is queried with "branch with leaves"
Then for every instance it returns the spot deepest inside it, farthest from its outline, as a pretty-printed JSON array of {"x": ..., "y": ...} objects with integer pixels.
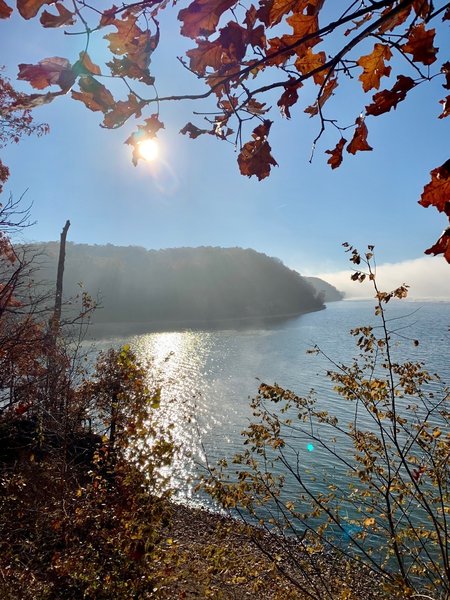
[{"x": 243, "y": 65}]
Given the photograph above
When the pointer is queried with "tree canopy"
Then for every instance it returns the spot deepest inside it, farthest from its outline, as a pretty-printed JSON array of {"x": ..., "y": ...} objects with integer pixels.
[{"x": 249, "y": 55}]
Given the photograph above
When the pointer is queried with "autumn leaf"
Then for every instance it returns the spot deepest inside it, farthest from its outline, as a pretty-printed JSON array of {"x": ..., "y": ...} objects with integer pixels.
[
  {"x": 193, "y": 131},
  {"x": 393, "y": 21},
  {"x": 65, "y": 17},
  {"x": 385, "y": 100},
  {"x": 437, "y": 192},
  {"x": 85, "y": 65},
  {"x": 201, "y": 17},
  {"x": 359, "y": 140},
  {"x": 148, "y": 130},
  {"x": 336, "y": 154},
  {"x": 289, "y": 98},
  {"x": 255, "y": 157},
  {"x": 445, "y": 69},
  {"x": 122, "y": 111},
  {"x": 420, "y": 45},
  {"x": 442, "y": 246},
  {"x": 5, "y": 10},
  {"x": 325, "y": 94},
  {"x": 30, "y": 8},
  {"x": 303, "y": 25},
  {"x": 374, "y": 67},
  {"x": 50, "y": 71},
  {"x": 206, "y": 54},
  {"x": 108, "y": 16},
  {"x": 94, "y": 94},
  {"x": 357, "y": 23},
  {"x": 280, "y": 8},
  {"x": 308, "y": 62}
]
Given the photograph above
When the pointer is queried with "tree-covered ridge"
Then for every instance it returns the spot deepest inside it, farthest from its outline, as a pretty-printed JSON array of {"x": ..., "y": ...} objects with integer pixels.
[{"x": 182, "y": 284}]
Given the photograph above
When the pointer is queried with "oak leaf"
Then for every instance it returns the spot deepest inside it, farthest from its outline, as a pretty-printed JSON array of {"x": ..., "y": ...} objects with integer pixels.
[
  {"x": 385, "y": 100},
  {"x": 420, "y": 44},
  {"x": 446, "y": 107},
  {"x": 446, "y": 70},
  {"x": 201, "y": 17},
  {"x": 148, "y": 130},
  {"x": 255, "y": 157},
  {"x": 85, "y": 65},
  {"x": 289, "y": 97},
  {"x": 437, "y": 192},
  {"x": 359, "y": 140},
  {"x": 392, "y": 22},
  {"x": 5, "y": 10},
  {"x": 94, "y": 94},
  {"x": 30, "y": 8},
  {"x": 373, "y": 66},
  {"x": 325, "y": 94},
  {"x": 49, "y": 71},
  {"x": 303, "y": 26},
  {"x": 206, "y": 54},
  {"x": 193, "y": 131},
  {"x": 309, "y": 62},
  {"x": 280, "y": 8},
  {"x": 357, "y": 23},
  {"x": 336, "y": 158},
  {"x": 122, "y": 111},
  {"x": 108, "y": 16},
  {"x": 442, "y": 246},
  {"x": 65, "y": 17}
]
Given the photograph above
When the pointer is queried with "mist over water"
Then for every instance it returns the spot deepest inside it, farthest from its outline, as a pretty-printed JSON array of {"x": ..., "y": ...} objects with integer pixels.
[{"x": 207, "y": 377}]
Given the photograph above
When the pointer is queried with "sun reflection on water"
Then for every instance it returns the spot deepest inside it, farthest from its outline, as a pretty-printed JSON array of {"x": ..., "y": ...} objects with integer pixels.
[{"x": 179, "y": 361}]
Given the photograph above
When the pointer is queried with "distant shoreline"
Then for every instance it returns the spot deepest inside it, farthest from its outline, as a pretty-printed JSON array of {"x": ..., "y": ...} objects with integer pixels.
[{"x": 229, "y": 323}]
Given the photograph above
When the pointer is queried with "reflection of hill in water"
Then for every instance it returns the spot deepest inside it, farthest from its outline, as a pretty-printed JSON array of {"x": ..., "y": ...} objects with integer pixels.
[{"x": 184, "y": 287}]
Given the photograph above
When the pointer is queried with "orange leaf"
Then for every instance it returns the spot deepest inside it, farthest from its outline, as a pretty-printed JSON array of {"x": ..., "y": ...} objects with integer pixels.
[
  {"x": 65, "y": 17},
  {"x": 326, "y": 93},
  {"x": 279, "y": 8},
  {"x": 374, "y": 67},
  {"x": 94, "y": 94},
  {"x": 336, "y": 154},
  {"x": 30, "y": 8},
  {"x": 201, "y": 17},
  {"x": 359, "y": 140},
  {"x": 303, "y": 25},
  {"x": 395, "y": 21},
  {"x": 87, "y": 65},
  {"x": 387, "y": 99},
  {"x": 446, "y": 70},
  {"x": 50, "y": 71},
  {"x": 122, "y": 111},
  {"x": 437, "y": 192},
  {"x": 309, "y": 62},
  {"x": 255, "y": 157},
  {"x": 420, "y": 45},
  {"x": 5, "y": 10}
]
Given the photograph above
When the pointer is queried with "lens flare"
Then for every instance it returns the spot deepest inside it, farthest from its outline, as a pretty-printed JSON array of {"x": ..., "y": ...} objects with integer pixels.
[
  {"x": 310, "y": 447},
  {"x": 149, "y": 149}
]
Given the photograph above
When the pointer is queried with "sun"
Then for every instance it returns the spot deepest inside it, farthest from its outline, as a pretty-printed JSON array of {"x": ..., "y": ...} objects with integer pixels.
[{"x": 148, "y": 149}]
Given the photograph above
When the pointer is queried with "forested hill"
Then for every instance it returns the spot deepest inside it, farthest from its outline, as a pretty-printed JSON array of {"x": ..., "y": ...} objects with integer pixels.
[{"x": 181, "y": 284}]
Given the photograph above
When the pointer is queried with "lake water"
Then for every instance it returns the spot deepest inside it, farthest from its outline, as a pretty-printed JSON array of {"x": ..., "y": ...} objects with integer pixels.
[{"x": 207, "y": 377}]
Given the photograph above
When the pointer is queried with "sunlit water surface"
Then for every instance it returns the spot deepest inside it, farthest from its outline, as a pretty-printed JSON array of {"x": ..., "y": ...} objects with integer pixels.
[{"x": 207, "y": 377}]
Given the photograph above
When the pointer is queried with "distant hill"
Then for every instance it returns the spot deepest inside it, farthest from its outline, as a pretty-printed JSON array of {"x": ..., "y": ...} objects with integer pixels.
[
  {"x": 183, "y": 285},
  {"x": 329, "y": 292}
]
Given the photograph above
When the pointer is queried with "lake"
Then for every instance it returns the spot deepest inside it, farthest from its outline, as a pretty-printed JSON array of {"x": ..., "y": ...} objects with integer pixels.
[{"x": 207, "y": 377}]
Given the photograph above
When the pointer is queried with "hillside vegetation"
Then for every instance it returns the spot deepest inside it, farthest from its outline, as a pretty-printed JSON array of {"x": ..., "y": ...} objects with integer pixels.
[{"x": 182, "y": 285}]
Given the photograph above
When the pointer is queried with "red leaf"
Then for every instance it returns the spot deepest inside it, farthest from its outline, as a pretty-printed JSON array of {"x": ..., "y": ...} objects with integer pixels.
[
  {"x": 385, "y": 100},
  {"x": 201, "y": 17},
  {"x": 289, "y": 98},
  {"x": 446, "y": 70},
  {"x": 30, "y": 8},
  {"x": 359, "y": 140},
  {"x": 446, "y": 107},
  {"x": 85, "y": 66},
  {"x": 5, "y": 10},
  {"x": 65, "y": 17},
  {"x": 442, "y": 246},
  {"x": 326, "y": 93},
  {"x": 420, "y": 45},
  {"x": 255, "y": 157},
  {"x": 50, "y": 71},
  {"x": 336, "y": 154},
  {"x": 437, "y": 192}
]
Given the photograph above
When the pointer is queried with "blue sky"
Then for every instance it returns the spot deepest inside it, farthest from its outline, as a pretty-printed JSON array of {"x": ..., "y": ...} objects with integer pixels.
[{"x": 194, "y": 195}]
